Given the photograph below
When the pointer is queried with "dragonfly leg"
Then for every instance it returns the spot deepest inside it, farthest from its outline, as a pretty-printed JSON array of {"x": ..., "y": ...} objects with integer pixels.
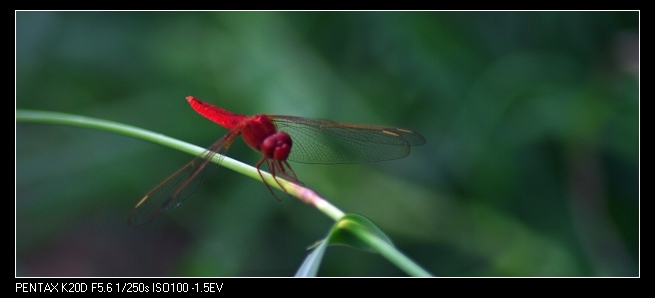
[
  {"x": 258, "y": 165},
  {"x": 274, "y": 167},
  {"x": 286, "y": 174}
]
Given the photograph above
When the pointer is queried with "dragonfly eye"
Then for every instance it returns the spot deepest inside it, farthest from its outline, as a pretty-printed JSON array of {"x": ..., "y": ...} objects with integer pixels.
[{"x": 277, "y": 146}]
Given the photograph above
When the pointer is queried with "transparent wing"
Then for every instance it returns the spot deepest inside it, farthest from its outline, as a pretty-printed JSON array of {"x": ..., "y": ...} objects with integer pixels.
[
  {"x": 180, "y": 185},
  {"x": 327, "y": 142}
]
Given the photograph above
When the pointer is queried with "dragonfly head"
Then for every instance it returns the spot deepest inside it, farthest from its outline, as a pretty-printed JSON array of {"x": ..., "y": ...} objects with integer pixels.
[{"x": 277, "y": 146}]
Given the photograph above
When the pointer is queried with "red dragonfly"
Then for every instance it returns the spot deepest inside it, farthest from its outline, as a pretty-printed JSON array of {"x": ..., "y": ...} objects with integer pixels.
[{"x": 314, "y": 142}]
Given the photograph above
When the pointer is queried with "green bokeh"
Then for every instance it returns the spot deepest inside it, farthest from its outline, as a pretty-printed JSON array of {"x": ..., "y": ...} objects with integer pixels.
[{"x": 531, "y": 166}]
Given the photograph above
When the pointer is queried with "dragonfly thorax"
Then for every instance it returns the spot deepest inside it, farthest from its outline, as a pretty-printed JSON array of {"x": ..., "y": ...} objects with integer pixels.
[{"x": 256, "y": 129}]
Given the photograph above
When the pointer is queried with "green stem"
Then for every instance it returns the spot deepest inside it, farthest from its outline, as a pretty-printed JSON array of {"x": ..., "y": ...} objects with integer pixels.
[
  {"x": 387, "y": 250},
  {"x": 304, "y": 194}
]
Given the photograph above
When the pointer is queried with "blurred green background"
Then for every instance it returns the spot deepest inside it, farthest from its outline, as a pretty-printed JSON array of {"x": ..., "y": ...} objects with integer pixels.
[{"x": 531, "y": 166}]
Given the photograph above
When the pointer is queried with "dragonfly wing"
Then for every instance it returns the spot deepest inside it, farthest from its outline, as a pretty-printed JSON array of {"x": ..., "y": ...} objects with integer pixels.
[
  {"x": 181, "y": 184},
  {"x": 328, "y": 142}
]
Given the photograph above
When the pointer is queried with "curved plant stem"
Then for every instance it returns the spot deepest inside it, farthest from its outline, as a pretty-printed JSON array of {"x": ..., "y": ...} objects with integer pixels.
[{"x": 304, "y": 194}]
